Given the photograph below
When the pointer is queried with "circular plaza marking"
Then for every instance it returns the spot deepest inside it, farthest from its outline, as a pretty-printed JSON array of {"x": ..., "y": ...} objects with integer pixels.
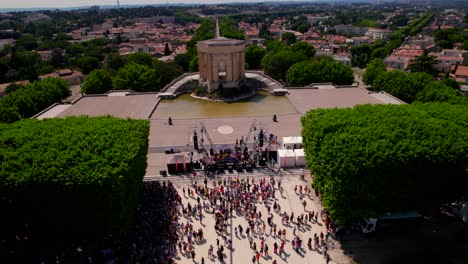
[{"x": 225, "y": 130}]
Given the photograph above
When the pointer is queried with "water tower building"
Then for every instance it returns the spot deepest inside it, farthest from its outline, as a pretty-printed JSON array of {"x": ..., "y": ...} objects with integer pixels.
[{"x": 221, "y": 62}]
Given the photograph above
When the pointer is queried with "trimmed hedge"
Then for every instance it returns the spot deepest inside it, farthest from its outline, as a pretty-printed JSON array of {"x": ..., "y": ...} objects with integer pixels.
[
  {"x": 375, "y": 159},
  {"x": 77, "y": 177}
]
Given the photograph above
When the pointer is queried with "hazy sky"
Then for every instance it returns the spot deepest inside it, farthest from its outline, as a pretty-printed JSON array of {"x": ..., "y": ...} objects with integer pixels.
[{"x": 73, "y": 3}]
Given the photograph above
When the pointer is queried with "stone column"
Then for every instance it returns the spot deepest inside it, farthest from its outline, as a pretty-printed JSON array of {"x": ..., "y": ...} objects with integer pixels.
[
  {"x": 242, "y": 69},
  {"x": 233, "y": 67}
]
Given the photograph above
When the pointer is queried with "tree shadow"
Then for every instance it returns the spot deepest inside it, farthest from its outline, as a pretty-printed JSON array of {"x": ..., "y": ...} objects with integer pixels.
[{"x": 431, "y": 241}]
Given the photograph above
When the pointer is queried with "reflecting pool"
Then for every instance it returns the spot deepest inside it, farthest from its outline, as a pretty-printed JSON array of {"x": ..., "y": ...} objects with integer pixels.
[{"x": 261, "y": 104}]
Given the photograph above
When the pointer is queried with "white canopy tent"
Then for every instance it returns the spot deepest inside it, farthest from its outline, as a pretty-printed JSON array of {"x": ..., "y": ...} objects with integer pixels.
[
  {"x": 286, "y": 158},
  {"x": 300, "y": 157},
  {"x": 290, "y": 142}
]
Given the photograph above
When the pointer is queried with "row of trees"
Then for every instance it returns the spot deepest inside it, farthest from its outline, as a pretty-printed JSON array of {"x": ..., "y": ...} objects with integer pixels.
[
  {"x": 445, "y": 38},
  {"x": 22, "y": 62},
  {"x": 356, "y": 17},
  {"x": 74, "y": 177},
  {"x": 411, "y": 87},
  {"x": 26, "y": 101},
  {"x": 139, "y": 72},
  {"x": 376, "y": 159}
]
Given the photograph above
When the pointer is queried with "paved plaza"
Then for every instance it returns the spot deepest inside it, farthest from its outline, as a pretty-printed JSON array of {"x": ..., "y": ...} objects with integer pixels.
[{"x": 241, "y": 252}]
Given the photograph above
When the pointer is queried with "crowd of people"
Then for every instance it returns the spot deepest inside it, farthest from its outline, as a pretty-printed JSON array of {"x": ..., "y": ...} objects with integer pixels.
[
  {"x": 245, "y": 198},
  {"x": 166, "y": 228}
]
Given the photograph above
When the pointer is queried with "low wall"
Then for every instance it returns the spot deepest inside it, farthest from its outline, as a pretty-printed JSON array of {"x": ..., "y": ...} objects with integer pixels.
[{"x": 163, "y": 90}]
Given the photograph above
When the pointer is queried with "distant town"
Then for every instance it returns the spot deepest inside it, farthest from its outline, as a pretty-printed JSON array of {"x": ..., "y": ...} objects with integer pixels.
[{"x": 57, "y": 40}]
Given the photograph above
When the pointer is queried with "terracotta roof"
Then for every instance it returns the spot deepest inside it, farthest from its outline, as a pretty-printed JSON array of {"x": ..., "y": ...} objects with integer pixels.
[{"x": 462, "y": 71}]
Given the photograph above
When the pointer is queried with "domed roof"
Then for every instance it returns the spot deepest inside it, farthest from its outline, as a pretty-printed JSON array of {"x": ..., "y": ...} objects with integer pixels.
[{"x": 221, "y": 41}]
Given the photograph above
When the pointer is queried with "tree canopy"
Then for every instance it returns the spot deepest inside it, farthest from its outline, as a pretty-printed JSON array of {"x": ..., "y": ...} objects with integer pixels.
[
  {"x": 88, "y": 64},
  {"x": 253, "y": 56},
  {"x": 305, "y": 73},
  {"x": 33, "y": 98},
  {"x": 415, "y": 86},
  {"x": 424, "y": 63},
  {"x": 403, "y": 85},
  {"x": 141, "y": 58},
  {"x": 437, "y": 91},
  {"x": 375, "y": 159},
  {"x": 276, "y": 64},
  {"x": 306, "y": 48},
  {"x": 289, "y": 38},
  {"x": 97, "y": 82},
  {"x": 375, "y": 68},
  {"x": 280, "y": 57},
  {"x": 79, "y": 172},
  {"x": 137, "y": 77}
]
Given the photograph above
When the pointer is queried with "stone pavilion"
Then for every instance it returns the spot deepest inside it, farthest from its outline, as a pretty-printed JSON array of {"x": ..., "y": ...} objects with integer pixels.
[{"x": 221, "y": 62}]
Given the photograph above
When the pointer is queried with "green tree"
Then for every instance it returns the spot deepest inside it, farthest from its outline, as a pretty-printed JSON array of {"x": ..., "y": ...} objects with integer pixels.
[
  {"x": 13, "y": 87},
  {"x": 264, "y": 32},
  {"x": 275, "y": 46},
  {"x": 141, "y": 58},
  {"x": 113, "y": 62},
  {"x": 88, "y": 64},
  {"x": 76, "y": 50},
  {"x": 277, "y": 64},
  {"x": 102, "y": 153},
  {"x": 360, "y": 55},
  {"x": 230, "y": 28},
  {"x": 322, "y": 58},
  {"x": 97, "y": 82},
  {"x": 379, "y": 53},
  {"x": 253, "y": 56},
  {"x": 27, "y": 63},
  {"x": 439, "y": 92},
  {"x": 374, "y": 69},
  {"x": 183, "y": 60},
  {"x": 137, "y": 77},
  {"x": 57, "y": 60},
  {"x": 26, "y": 43},
  {"x": 289, "y": 38},
  {"x": 305, "y": 73},
  {"x": 3, "y": 70},
  {"x": 166, "y": 72},
  {"x": 402, "y": 85},
  {"x": 424, "y": 63},
  {"x": 167, "y": 51},
  {"x": 359, "y": 156},
  {"x": 451, "y": 83},
  {"x": 305, "y": 47},
  {"x": 35, "y": 97},
  {"x": 193, "y": 67}
]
